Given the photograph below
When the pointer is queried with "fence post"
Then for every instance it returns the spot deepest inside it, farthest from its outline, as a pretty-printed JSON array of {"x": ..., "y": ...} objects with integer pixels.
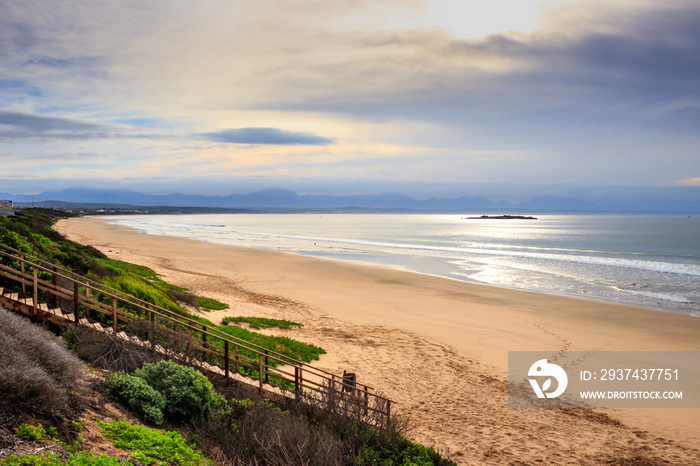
[
  {"x": 21, "y": 268},
  {"x": 87, "y": 298},
  {"x": 36, "y": 291},
  {"x": 235, "y": 354},
  {"x": 204, "y": 341},
  {"x": 151, "y": 335},
  {"x": 226, "y": 358},
  {"x": 189, "y": 344},
  {"x": 260, "y": 372},
  {"x": 76, "y": 302},
  {"x": 114, "y": 315},
  {"x": 366, "y": 401},
  {"x": 267, "y": 369},
  {"x": 54, "y": 282},
  {"x": 296, "y": 379},
  {"x": 388, "y": 413}
]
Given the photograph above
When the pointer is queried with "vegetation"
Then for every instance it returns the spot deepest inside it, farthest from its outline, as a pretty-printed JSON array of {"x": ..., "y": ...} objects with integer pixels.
[
  {"x": 81, "y": 458},
  {"x": 38, "y": 374},
  {"x": 210, "y": 304},
  {"x": 31, "y": 433},
  {"x": 152, "y": 446},
  {"x": 31, "y": 231},
  {"x": 261, "y": 322},
  {"x": 139, "y": 396},
  {"x": 166, "y": 390}
]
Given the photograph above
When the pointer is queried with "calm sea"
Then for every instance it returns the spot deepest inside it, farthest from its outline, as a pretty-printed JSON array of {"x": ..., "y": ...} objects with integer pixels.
[{"x": 652, "y": 261}]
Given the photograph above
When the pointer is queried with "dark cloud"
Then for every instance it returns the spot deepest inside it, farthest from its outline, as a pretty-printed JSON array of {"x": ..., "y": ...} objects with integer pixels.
[
  {"x": 16, "y": 125},
  {"x": 271, "y": 136},
  {"x": 64, "y": 63}
]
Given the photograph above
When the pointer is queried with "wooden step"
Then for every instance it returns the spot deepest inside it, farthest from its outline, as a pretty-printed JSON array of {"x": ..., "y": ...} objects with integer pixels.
[{"x": 44, "y": 307}]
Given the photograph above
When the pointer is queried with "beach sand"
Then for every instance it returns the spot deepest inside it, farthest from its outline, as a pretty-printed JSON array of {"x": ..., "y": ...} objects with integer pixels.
[{"x": 438, "y": 347}]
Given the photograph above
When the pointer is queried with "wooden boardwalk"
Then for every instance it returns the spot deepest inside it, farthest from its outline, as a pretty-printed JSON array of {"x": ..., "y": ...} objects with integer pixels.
[{"x": 45, "y": 291}]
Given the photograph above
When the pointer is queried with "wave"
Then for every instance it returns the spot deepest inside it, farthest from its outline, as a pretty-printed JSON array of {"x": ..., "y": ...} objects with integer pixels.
[
  {"x": 661, "y": 296},
  {"x": 536, "y": 253}
]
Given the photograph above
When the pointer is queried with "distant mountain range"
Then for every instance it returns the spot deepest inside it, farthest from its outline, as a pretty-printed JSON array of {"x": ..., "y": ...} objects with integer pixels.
[{"x": 276, "y": 198}]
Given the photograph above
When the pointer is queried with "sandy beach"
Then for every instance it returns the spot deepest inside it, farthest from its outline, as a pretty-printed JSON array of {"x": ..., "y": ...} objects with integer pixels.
[{"x": 439, "y": 347}]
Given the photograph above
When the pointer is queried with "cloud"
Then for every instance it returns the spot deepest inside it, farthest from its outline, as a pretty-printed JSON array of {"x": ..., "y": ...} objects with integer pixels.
[
  {"x": 688, "y": 182},
  {"x": 16, "y": 125},
  {"x": 272, "y": 136}
]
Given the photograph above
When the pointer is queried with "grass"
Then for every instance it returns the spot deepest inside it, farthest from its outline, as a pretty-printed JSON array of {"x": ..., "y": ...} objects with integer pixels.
[
  {"x": 284, "y": 345},
  {"x": 210, "y": 304},
  {"x": 152, "y": 446},
  {"x": 261, "y": 322}
]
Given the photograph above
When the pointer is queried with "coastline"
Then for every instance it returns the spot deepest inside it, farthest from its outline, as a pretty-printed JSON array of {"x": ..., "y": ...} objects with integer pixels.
[{"x": 444, "y": 340}]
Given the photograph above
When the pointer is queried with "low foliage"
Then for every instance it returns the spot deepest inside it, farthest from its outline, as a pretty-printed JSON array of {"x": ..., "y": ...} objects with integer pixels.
[
  {"x": 210, "y": 304},
  {"x": 166, "y": 390},
  {"x": 188, "y": 394},
  {"x": 81, "y": 458},
  {"x": 31, "y": 433},
  {"x": 283, "y": 345},
  {"x": 152, "y": 446},
  {"x": 138, "y": 395},
  {"x": 261, "y": 322}
]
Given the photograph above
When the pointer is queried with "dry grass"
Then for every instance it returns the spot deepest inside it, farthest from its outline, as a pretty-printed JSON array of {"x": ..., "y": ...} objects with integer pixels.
[{"x": 37, "y": 373}]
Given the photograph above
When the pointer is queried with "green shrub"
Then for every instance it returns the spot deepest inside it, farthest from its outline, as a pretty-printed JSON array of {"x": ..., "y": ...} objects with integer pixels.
[
  {"x": 138, "y": 395},
  {"x": 262, "y": 322},
  {"x": 31, "y": 433},
  {"x": 188, "y": 394},
  {"x": 81, "y": 458},
  {"x": 209, "y": 304},
  {"x": 152, "y": 445}
]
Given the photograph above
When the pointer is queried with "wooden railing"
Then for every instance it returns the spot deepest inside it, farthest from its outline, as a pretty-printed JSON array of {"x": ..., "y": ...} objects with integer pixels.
[{"x": 88, "y": 302}]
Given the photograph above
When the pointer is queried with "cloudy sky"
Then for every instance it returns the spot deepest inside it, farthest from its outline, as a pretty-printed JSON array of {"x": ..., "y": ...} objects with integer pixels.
[{"x": 348, "y": 96}]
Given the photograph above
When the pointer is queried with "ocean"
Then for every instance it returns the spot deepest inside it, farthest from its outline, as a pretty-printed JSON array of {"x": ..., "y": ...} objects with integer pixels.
[{"x": 652, "y": 261}]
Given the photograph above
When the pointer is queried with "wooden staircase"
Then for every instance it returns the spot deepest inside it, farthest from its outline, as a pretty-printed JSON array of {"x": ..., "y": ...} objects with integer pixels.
[{"x": 71, "y": 299}]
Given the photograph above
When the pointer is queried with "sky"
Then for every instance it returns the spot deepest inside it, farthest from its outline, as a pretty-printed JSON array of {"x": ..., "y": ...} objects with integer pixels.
[{"x": 440, "y": 97}]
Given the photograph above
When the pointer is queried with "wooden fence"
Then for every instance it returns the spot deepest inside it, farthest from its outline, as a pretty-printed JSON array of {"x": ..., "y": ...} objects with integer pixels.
[{"x": 44, "y": 290}]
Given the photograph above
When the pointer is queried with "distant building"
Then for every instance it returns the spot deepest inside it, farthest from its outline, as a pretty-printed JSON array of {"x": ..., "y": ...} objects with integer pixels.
[{"x": 5, "y": 204}]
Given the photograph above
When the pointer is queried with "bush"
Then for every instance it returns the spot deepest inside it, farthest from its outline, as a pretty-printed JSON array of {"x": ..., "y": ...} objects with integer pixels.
[
  {"x": 188, "y": 394},
  {"x": 31, "y": 433},
  {"x": 138, "y": 395},
  {"x": 248, "y": 433},
  {"x": 107, "y": 351},
  {"x": 36, "y": 373}
]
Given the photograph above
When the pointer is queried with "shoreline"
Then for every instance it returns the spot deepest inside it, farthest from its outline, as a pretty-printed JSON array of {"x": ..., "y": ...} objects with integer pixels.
[
  {"x": 439, "y": 347},
  {"x": 468, "y": 268}
]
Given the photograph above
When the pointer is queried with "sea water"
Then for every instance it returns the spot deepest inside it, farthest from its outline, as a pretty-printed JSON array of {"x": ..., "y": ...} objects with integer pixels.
[{"x": 652, "y": 261}]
